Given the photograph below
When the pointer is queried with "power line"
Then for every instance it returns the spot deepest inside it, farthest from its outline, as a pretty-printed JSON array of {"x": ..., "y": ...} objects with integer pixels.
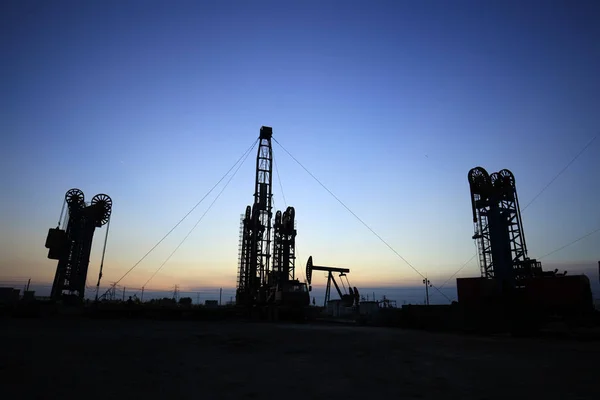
[
  {"x": 280, "y": 185},
  {"x": 189, "y": 212},
  {"x": 200, "y": 219},
  {"x": 460, "y": 269},
  {"x": 560, "y": 172},
  {"x": 102, "y": 259},
  {"x": 357, "y": 217},
  {"x": 62, "y": 211},
  {"x": 571, "y": 243}
]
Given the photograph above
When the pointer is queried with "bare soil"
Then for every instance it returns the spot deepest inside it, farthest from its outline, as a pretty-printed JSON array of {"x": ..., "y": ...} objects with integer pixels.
[{"x": 133, "y": 359}]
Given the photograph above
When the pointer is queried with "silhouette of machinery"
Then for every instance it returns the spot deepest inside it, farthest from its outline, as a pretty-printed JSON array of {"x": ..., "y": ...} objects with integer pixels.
[
  {"x": 508, "y": 275},
  {"x": 284, "y": 248},
  {"x": 72, "y": 246},
  {"x": 348, "y": 299},
  {"x": 499, "y": 228},
  {"x": 259, "y": 282}
]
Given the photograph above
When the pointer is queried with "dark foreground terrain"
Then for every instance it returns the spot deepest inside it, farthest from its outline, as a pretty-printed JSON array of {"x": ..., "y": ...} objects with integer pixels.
[{"x": 128, "y": 359}]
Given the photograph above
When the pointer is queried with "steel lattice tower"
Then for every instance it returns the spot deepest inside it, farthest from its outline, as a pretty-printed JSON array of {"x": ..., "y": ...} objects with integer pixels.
[
  {"x": 262, "y": 209},
  {"x": 505, "y": 188},
  {"x": 255, "y": 251},
  {"x": 72, "y": 247},
  {"x": 284, "y": 247},
  {"x": 499, "y": 227},
  {"x": 479, "y": 183},
  {"x": 244, "y": 255}
]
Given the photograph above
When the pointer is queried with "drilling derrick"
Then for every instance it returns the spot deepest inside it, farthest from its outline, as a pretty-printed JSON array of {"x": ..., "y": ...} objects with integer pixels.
[
  {"x": 272, "y": 288},
  {"x": 513, "y": 288},
  {"x": 72, "y": 246},
  {"x": 499, "y": 228},
  {"x": 505, "y": 187},
  {"x": 284, "y": 245},
  {"x": 244, "y": 253},
  {"x": 256, "y": 228}
]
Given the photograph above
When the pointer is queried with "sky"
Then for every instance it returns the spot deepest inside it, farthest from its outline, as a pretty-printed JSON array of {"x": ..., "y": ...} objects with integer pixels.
[{"x": 388, "y": 103}]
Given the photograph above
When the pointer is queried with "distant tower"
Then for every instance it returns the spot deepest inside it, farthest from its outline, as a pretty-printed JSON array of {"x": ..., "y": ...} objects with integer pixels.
[
  {"x": 255, "y": 229},
  {"x": 284, "y": 247},
  {"x": 499, "y": 228},
  {"x": 72, "y": 246}
]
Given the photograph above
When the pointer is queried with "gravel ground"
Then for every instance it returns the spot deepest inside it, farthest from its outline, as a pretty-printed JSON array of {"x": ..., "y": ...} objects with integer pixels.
[{"x": 51, "y": 358}]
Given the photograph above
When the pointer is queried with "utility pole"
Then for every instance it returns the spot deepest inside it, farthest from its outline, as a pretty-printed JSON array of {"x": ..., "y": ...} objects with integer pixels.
[
  {"x": 123, "y": 293},
  {"x": 176, "y": 293},
  {"x": 29, "y": 281},
  {"x": 142, "y": 299},
  {"x": 220, "y": 294},
  {"x": 113, "y": 292},
  {"x": 427, "y": 284}
]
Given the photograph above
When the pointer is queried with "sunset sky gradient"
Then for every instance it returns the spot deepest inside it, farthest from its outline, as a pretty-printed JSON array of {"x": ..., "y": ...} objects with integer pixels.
[{"x": 388, "y": 103}]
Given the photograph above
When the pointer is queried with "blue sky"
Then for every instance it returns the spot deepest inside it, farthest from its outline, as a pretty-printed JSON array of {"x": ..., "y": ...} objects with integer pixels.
[{"x": 388, "y": 103}]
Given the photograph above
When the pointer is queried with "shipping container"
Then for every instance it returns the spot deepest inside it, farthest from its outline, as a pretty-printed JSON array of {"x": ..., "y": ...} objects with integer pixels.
[
  {"x": 561, "y": 294},
  {"x": 475, "y": 290}
]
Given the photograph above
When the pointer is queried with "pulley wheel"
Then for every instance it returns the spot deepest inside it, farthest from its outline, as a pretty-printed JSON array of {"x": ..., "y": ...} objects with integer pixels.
[
  {"x": 74, "y": 196},
  {"x": 479, "y": 178},
  {"x": 104, "y": 202},
  {"x": 508, "y": 178}
]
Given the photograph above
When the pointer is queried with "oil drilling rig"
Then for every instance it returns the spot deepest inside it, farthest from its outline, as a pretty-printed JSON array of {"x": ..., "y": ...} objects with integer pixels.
[
  {"x": 499, "y": 228},
  {"x": 262, "y": 284},
  {"x": 509, "y": 278},
  {"x": 72, "y": 246}
]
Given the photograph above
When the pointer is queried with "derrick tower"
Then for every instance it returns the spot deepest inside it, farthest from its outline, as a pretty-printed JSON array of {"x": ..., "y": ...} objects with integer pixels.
[
  {"x": 72, "y": 246},
  {"x": 256, "y": 228},
  {"x": 499, "y": 228},
  {"x": 284, "y": 247}
]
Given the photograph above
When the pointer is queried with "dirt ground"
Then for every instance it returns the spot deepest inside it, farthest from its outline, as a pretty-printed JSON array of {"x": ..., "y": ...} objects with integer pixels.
[{"x": 129, "y": 359}]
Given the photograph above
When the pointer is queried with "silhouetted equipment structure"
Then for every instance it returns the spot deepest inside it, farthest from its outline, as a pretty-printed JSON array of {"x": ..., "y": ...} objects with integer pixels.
[
  {"x": 348, "y": 299},
  {"x": 508, "y": 275},
  {"x": 256, "y": 228},
  {"x": 284, "y": 247},
  {"x": 259, "y": 283},
  {"x": 72, "y": 246},
  {"x": 499, "y": 228}
]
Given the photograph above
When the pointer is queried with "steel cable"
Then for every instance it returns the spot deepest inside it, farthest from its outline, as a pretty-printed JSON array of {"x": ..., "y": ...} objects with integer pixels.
[{"x": 186, "y": 215}]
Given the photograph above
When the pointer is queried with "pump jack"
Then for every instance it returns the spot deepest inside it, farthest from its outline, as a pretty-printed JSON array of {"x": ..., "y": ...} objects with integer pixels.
[{"x": 348, "y": 300}]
